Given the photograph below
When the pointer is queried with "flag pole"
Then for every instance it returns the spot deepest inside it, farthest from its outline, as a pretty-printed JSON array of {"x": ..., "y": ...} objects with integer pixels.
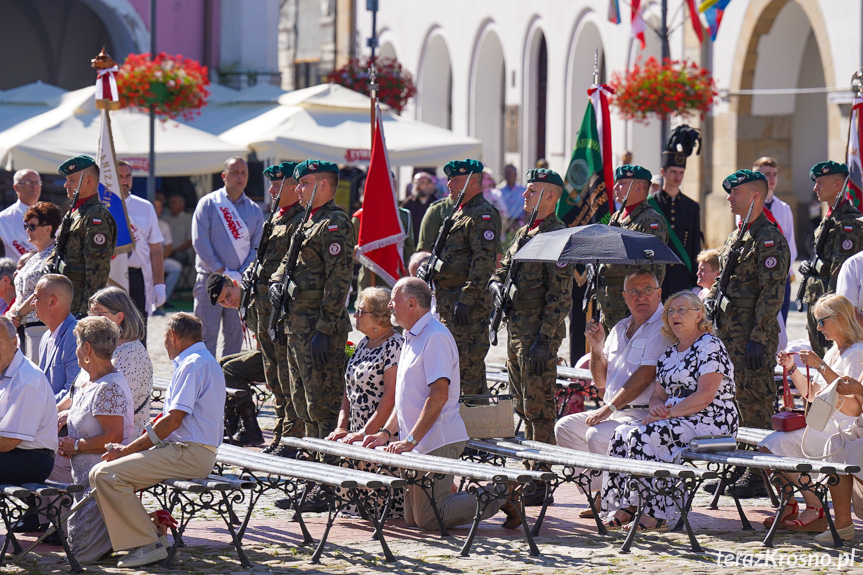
[
  {"x": 595, "y": 65},
  {"x": 372, "y": 6}
]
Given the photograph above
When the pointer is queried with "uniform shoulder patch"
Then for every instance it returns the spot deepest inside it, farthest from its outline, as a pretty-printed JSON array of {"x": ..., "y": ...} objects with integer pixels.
[
  {"x": 486, "y": 217},
  {"x": 99, "y": 239},
  {"x": 847, "y": 244},
  {"x": 770, "y": 262},
  {"x": 654, "y": 226},
  {"x": 561, "y": 265},
  {"x": 847, "y": 229},
  {"x": 97, "y": 221},
  {"x": 488, "y": 234},
  {"x": 335, "y": 248},
  {"x": 332, "y": 227},
  {"x": 769, "y": 243}
]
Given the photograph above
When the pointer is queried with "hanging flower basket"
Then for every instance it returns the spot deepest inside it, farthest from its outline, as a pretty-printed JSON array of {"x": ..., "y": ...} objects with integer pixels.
[
  {"x": 395, "y": 84},
  {"x": 673, "y": 88},
  {"x": 171, "y": 86}
]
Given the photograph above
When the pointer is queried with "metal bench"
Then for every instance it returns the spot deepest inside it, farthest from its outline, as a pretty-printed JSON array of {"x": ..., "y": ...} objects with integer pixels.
[
  {"x": 337, "y": 486},
  {"x": 50, "y": 499},
  {"x": 160, "y": 388},
  {"x": 681, "y": 481},
  {"x": 570, "y": 381},
  {"x": 415, "y": 467}
]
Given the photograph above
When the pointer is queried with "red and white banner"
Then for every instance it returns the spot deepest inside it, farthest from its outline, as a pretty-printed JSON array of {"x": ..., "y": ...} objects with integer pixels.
[
  {"x": 106, "y": 85},
  {"x": 638, "y": 26},
  {"x": 381, "y": 236},
  {"x": 599, "y": 94},
  {"x": 854, "y": 189}
]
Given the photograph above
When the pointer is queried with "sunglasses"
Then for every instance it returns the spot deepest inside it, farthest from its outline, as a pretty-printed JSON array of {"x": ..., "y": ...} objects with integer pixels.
[
  {"x": 32, "y": 227},
  {"x": 820, "y": 322}
]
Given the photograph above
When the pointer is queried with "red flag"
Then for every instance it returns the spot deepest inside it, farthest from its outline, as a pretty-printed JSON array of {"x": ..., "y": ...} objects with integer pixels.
[
  {"x": 696, "y": 21},
  {"x": 379, "y": 245},
  {"x": 638, "y": 26},
  {"x": 854, "y": 189}
]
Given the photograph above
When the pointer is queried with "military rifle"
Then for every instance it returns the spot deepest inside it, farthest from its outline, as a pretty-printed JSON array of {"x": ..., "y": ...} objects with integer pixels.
[
  {"x": 509, "y": 288},
  {"x": 622, "y": 205},
  {"x": 715, "y": 305},
  {"x": 815, "y": 257},
  {"x": 288, "y": 287},
  {"x": 253, "y": 273},
  {"x": 434, "y": 263},
  {"x": 59, "y": 261}
]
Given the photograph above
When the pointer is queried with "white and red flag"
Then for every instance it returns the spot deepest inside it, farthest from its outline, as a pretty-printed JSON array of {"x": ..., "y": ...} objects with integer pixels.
[
  {"x": 381, "y": 236},
  {"x": 638, "y": 25},
  {"x": 854, "y": 189}
]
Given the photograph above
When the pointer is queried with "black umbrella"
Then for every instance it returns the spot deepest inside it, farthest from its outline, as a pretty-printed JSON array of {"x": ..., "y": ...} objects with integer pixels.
[{"x": 596, "y": 244}]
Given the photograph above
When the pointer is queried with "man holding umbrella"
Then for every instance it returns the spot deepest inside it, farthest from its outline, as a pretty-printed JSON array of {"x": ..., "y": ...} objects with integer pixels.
[
  {"x": 632, "y": 184},
  {"x": 536, "y": 322}
]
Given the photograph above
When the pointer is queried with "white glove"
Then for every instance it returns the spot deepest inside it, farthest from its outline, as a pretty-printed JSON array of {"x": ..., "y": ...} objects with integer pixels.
[
  {"x": 161, "y": 296},
  {"x": 236, "y": 276}
]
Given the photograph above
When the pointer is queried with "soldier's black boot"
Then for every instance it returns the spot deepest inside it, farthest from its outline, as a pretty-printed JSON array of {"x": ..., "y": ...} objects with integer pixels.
[
  {"x": 249, "y": 432},
  {"x": 751, "y": 485},
  {"x": 275, "y": 444},
  {"x": 537, "y": 498},
  {"x": 711, "y": 486},
  {"x": 232, "y": 422}
]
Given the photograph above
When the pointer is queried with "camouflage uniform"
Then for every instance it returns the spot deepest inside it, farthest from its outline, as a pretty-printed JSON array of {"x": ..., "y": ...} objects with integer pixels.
[
  {"x": 755, "y": 293},
  {"x": 645, "y": 219},
  {"x": 366, "y": 278},
  {"x": 323, "y": 278},
  {"x": 92, "y": 237},
  {"x": 275, "y": 353},
  {"x": 844, "y": 239},
  {"x": 432, "y": 221},
  {"x": 469, "y": 259},
  {"x": 540, "y": 307}
]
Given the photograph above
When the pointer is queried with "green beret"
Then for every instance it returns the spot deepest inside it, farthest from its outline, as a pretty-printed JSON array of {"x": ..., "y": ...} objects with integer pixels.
[
  {"x": 742, "y": 177},
  {"x": 544, "y": 176},
  {"x": 827, "y": 168},
  {"x": 288, "y": 168},
  {"x": 462, "y": 167},
  {"x": 632, "y": 172},
  {"x": 215, "y": 283},
  {"x": 75, "y": 164},
  {"x": 275, "y": 173},
  {"x": 315, "y": 167}
]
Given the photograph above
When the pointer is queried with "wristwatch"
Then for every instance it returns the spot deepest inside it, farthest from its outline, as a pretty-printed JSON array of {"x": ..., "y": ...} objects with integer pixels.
[
  {"x": 75, "y": 447},
  {"x": 411, "y": 439},
  {"x": 822, "y": 368}
]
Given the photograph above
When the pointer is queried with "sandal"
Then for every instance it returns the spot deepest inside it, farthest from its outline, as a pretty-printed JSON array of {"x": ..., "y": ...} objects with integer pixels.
[
  {"x": 615, "y": 523},
  {"x": 795, "y": 511},
  {"x": 817, "y": 525},
  {"x": 660, "y": 525},
  {"x": 588, "y": 513}
]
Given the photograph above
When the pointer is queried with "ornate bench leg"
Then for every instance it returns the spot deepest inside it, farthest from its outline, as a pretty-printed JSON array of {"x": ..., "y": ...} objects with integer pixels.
[
  {"x": 426, "y": 483},
  {"x": 635, "y": 486},
  {"x": 334, "y": 503},
  {"x": 54, "y": 512},
  {"x": 226, "y": 510},
  {"x": 822, "y": 491},
  {"x": 686, "y": 489},
  {"x": 377, "y": 523},
  {"x": 551, "y": 487}
]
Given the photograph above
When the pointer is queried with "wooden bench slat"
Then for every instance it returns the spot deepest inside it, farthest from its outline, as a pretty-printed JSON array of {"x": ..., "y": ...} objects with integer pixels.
[{"x": 292, "y": 471}]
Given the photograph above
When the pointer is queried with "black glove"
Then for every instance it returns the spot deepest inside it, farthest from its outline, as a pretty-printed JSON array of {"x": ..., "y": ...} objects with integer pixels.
[
  {"x": 320, "y": 349},
  {"x": 461, "y": 314},
  {"x": 754, "y": 355},
  {"x": 805, "y": 269},
  {"x": 276, "y": 291},
  {"x": 423, "y": 271},
  {"x": 246, "y": 284},
  {"x": 496, "y": 289},
  {"x": 540, "y": 352},
  {"x": 589, "y": 273}
]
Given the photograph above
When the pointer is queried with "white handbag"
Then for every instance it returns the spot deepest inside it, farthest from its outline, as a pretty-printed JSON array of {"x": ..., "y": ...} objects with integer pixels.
[{"x": 820, "y": 413}]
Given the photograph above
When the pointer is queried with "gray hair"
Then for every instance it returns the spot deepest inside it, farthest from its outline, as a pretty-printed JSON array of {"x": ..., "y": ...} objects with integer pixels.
[
  {"x": 233, "y": 159},
  {"x": 11, "y": 332},
  {"x": 377, "y": 298},
  {"x": 417, "y": 289},
  {"x": 641, "y": 272},
  {"x": 101, "y": 333},
  {"x": 186, "y": 327},
  {"x": 59, "y": 286},
  {"x": 19, "y": 175},
  {"x": 7, "y": 268},
  {"x": 115, "y": 300},
  {"x": 418, "y": 259}
]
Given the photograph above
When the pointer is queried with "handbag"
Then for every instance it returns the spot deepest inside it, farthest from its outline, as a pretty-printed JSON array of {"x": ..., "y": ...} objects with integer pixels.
[
  {"x": 820, "y": 413},
  {"x": 486, "y": 420},
  {"x": 789, "y": 419}
]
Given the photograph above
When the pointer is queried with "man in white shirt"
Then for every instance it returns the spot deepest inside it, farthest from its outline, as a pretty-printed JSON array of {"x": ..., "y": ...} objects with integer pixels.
[
  {"x": 426, "y": 415},
  {"x": 28, "y": 186},
  {"x": 623, "y": 365},
  {"x": 850, "y": 280},
  {"x": 146, "y": 262},
  {"x": 28, "y": 415},
  {"x": 181, "y": 444}
]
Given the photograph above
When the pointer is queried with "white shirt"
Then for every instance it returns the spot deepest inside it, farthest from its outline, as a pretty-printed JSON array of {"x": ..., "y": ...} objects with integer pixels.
[
  {"x": 624, "y": 356},
  {"x": 145, "y": 230},
  {"x": 850, "y": 280},
  {"x": 785, "y": 218},
  {"x": 198, "y": 389},
  {"x": 167, "y": 238},
  {"x": 27, "y": 408},
  {"x": 429, "y": 353},
  {"x": 14, "y": 215}
]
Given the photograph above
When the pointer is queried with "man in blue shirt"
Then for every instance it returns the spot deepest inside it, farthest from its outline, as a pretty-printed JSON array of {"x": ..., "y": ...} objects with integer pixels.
[{"x": 52, "y": 299}]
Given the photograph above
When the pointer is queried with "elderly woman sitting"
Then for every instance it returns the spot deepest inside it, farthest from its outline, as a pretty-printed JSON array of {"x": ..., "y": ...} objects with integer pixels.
[
  {"x": 836, "y": 320},
  {"x": 694, "y": 396},
  {"x": 99, "y": 412}
]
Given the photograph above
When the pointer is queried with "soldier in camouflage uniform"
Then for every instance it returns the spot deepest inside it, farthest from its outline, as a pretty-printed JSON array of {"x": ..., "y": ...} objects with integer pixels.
[
  {"x": 536, "y": 322},
  {"x": 844, "y": 239},
  {"x": 469, "y": 259},
  {"x": 316, "y": 319},
  {"x": 632, "y": 183},
  {"x": 432, "y": 220},
  {"x": 92, "y": 235}
]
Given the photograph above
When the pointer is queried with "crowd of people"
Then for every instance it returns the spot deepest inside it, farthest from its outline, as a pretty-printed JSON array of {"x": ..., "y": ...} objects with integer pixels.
[{"x": 701, "y": 363}]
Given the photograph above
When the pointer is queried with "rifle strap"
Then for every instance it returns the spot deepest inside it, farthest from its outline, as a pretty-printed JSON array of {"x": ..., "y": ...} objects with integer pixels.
[{"x": 672, "y": 235}]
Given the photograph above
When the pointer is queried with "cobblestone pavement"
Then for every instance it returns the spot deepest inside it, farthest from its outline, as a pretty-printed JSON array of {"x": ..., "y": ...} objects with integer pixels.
[{"x": 567, "y": 544}]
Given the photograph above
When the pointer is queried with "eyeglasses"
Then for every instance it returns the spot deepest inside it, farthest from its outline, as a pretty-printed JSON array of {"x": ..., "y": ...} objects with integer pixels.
[
  {"x": 32, "y": 227},
  {"x": 648, "y": 291},
  {"x": 679, "y": 310},
  {"x": 359, "y": 312},
  {"x": 820, "y": 322},
  {"x": 29, "y": 183}
]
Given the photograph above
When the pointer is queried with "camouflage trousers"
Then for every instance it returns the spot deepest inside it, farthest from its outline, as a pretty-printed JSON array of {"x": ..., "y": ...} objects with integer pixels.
[
  {"x": 533, "y": 394},
  {"x": 277, "y": 374},
  {"x": 756, "y": 388},
  {"x": 471, "y": 340},
  {"x": 817, "y": 341},
  {"x": 242, "y": 371},
  {"x": 316, "y": 393},
  {"x": 610, "y": 300}
]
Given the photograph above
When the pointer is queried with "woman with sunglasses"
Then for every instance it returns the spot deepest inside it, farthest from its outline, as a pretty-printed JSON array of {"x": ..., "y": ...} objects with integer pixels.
[
  {"x": 836, "y": 319},
  {"x": 41, "y": 221}
]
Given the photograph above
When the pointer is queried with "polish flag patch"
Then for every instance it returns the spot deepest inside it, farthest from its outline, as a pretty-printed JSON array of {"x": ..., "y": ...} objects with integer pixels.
[
  {"x": 486, "y": 217},
  {"x": 97, "y": 221},
  {"x": 332, "y": 227},
  {"x": 848, "y": 228},
  {"x": 768, "y": 244},
  {"x": 654, "y": 226}
]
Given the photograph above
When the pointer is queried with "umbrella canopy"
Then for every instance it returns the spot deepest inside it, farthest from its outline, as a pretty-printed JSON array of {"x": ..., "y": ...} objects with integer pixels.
[
  {"x": 332, "y": 123},
  {"x": 43, "y": 142},
  {"x": 27, "y": 101},
  {"x": 227, "y": 108},
  {"x": 597, "y": 243}
]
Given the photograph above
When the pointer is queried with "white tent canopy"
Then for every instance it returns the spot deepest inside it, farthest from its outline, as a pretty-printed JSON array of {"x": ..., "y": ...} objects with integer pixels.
[
  {"x": 23, "y": 102},
  {"x": 332, "y": 123},
  {"x": 227, "y": 108},
  {"x": 43, "y": 142}
]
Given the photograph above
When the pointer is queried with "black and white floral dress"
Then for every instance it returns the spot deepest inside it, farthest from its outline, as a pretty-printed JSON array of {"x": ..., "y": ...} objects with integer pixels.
[
  {"x": 663, "y": 440},
  {"x": 364, "y": 386}
]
